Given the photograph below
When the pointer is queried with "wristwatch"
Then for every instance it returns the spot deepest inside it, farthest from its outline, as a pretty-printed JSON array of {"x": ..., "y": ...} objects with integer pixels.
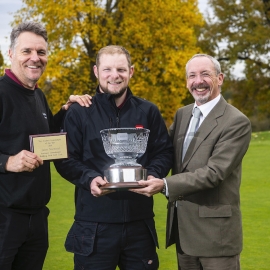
[{"x": 163, "y": 191}]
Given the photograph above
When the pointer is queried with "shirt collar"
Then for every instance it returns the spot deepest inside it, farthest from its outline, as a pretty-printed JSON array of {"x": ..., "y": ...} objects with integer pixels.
[
  {"x": 208, "y": 106},
  {"x": 12, "y": 76}
]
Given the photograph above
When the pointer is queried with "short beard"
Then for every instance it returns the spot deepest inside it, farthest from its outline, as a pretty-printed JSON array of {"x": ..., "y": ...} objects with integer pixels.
[
  {"x": 120, "y": 93},
  {"x": 201, "y": 99}
]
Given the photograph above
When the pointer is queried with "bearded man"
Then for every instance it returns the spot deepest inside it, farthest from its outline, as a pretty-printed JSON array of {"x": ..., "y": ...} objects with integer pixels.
[
  {"x": 210, "y": 138},
  {"x": 117, "y": 228}
]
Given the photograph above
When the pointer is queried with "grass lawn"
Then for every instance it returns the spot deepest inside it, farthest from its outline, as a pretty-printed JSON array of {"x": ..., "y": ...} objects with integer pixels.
[{"x": 255, "y": 205}]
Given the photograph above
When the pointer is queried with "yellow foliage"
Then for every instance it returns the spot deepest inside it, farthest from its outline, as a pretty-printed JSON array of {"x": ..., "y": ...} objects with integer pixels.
[
  {"x": 1, "y": 64},
  {"x": 159, "y": 34},
  {"x": 160, "y": 37}
]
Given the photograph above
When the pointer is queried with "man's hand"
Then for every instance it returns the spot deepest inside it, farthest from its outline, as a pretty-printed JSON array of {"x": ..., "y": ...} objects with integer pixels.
[
  {"x": 24, "y": 161},
  {"x": 83, "y": 100},
  {"x": 150, "y": 187},
  {"x": 95, "y": 186}
]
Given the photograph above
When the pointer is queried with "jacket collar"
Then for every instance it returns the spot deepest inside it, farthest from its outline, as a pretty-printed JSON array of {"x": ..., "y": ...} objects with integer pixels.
[{"x": 105, "y": 98}]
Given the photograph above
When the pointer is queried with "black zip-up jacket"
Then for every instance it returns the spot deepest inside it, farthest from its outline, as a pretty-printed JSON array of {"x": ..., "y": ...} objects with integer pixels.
[
  {"x": 87, "y": 157},
  {"x": 23, "y": 112}
]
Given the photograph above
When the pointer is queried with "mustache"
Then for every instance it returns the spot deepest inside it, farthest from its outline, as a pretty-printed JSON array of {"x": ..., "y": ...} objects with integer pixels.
[{"x": 200, "y": 85}]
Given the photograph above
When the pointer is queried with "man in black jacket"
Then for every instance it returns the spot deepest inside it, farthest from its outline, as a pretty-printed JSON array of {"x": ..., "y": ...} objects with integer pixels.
[
  {"x": 25, "y": 181},
  {"x": 116, "y": 229}
]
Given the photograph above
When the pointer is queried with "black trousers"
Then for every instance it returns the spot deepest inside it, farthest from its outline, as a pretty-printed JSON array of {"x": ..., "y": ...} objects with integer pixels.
[
  {"x": 23, "y": 240},
  {"x": 104, "y": 246}
]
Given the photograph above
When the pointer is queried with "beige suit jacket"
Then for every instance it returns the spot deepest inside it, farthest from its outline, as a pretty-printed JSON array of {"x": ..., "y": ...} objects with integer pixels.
[{"x": 206, "y": 184}]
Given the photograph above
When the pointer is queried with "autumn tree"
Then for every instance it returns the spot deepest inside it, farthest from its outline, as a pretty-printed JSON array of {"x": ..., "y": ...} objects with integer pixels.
[
  {"x": 238, "y": 32},
  {"x": 159, "y": 34},
  {"x": 1, "y": 64}
]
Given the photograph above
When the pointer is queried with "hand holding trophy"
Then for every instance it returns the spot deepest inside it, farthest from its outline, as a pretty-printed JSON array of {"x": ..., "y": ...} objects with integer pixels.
[{"x": 125, "y": 146}]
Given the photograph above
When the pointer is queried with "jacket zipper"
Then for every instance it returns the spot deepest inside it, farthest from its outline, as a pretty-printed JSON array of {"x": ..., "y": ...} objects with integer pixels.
[{"x": 117, "y": 120}]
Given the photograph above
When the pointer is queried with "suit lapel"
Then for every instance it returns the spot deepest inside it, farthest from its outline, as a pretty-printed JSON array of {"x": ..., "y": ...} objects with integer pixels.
[
  {"x": 204, "y": 130},
  {"x": 185, "y": 119}
]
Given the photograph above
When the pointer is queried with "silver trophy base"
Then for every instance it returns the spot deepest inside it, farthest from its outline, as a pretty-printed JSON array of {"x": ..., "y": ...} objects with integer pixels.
[{"x": 124, "y": 177}]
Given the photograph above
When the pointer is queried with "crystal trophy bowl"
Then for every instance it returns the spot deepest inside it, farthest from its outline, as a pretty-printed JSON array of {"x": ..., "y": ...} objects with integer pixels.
[{"x": 125, "y": 146}]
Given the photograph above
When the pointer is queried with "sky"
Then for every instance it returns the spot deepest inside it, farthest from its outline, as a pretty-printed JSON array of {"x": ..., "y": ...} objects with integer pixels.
[{"x": 7, "y": 7}]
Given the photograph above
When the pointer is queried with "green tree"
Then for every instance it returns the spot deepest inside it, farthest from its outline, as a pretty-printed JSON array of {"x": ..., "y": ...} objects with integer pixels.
[
  {"x": 238, "y": 31},
  {"x": 160, "y": 35}
]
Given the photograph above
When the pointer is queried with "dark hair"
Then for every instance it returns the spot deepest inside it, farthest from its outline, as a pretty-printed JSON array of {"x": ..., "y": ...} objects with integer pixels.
[
  {"x": 113, "y": 49},
  {"x": 33, "y": 27}
]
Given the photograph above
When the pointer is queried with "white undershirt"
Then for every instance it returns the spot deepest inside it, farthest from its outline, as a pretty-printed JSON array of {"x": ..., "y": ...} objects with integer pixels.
[{"x": 205, "y": 110}]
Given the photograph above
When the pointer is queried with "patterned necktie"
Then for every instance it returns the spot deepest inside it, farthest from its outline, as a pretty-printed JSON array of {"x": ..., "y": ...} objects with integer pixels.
[{"x": 193, "y": 128}]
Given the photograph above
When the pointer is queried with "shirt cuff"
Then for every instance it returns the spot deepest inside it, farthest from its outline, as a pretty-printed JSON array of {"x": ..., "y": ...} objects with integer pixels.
[{"x": 166, "y": 191}]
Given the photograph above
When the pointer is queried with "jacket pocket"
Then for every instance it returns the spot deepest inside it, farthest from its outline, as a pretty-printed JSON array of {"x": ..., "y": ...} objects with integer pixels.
[
  {"x": 210, "y": 211},
  {"x": 81, "y": 237}
]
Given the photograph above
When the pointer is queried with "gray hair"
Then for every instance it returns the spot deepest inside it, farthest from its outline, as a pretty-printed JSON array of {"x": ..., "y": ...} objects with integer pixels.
[
  {"x": 213, "y": 60},
  {"x": 33, "y": 27}
]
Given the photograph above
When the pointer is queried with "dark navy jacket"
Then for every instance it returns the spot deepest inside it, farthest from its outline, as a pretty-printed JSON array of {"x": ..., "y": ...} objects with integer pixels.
[{"x": 87, "y": 158}]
